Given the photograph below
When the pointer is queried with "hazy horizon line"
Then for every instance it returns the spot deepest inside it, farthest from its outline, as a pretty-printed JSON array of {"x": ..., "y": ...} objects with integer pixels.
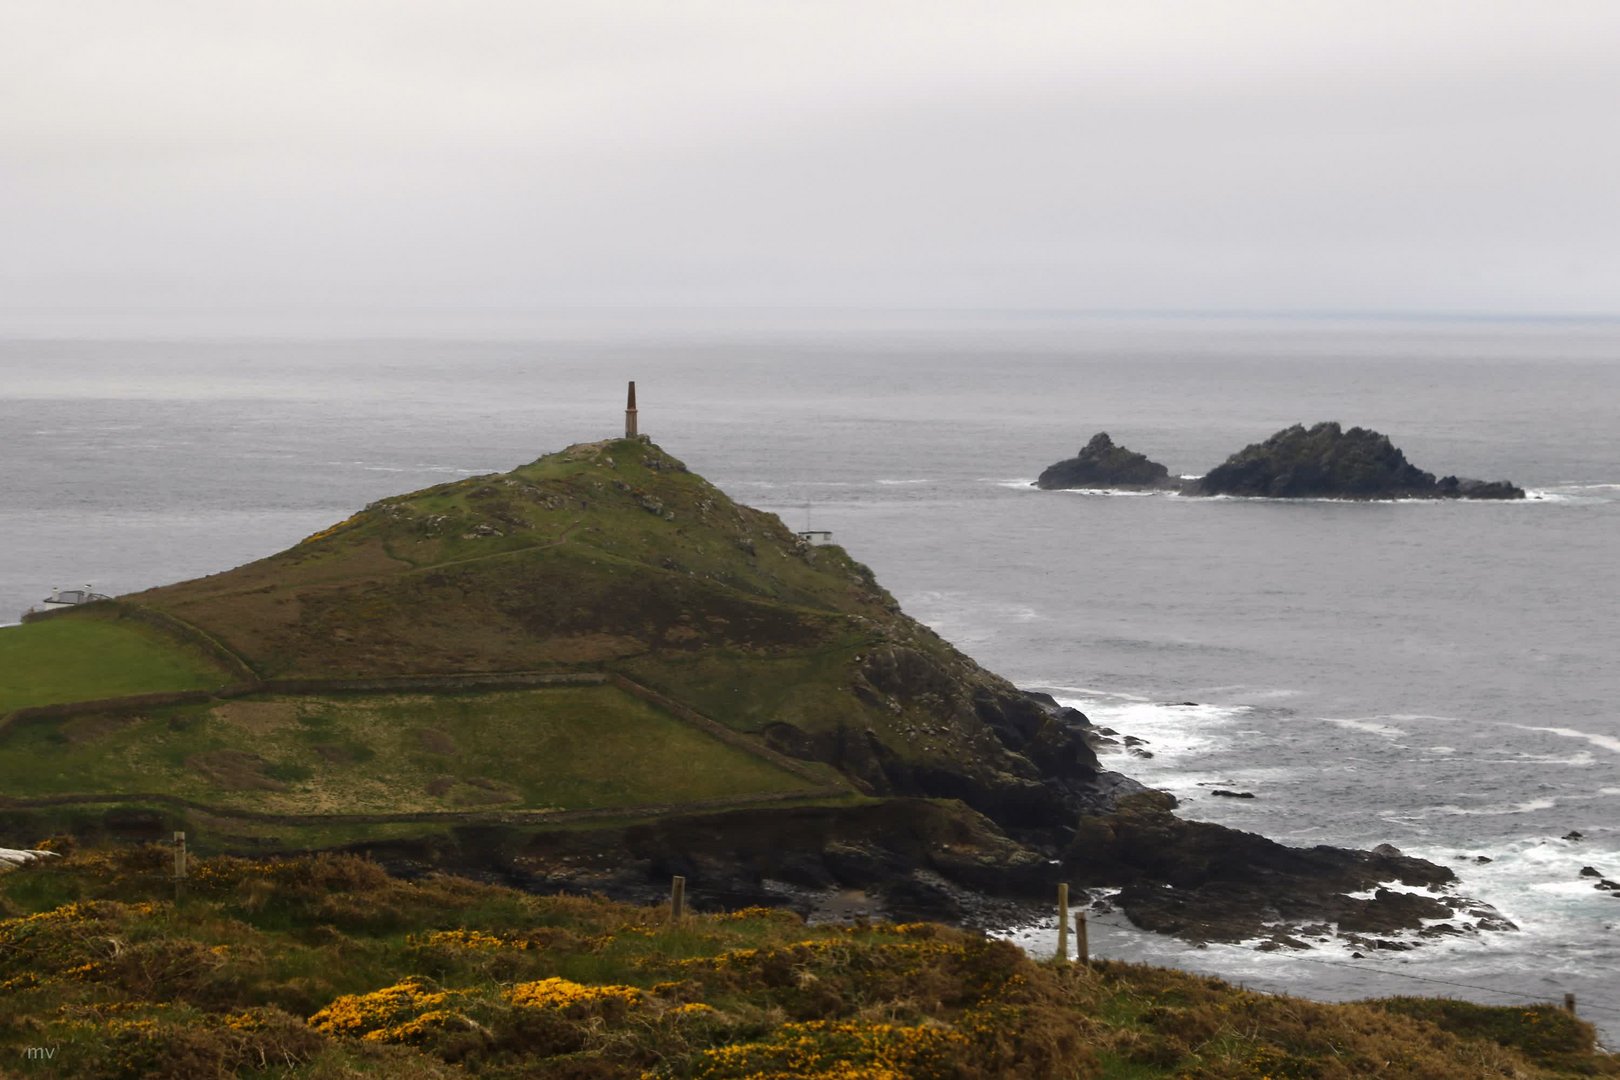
[{"x": 509, "y": 324}]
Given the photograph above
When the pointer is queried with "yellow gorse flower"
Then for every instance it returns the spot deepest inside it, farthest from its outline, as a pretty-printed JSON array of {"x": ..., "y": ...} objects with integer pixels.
[
  {"x": 398, "y": 1013},
  {"x": 557, "y": 993},
  {"x": 467, "y": 939}
]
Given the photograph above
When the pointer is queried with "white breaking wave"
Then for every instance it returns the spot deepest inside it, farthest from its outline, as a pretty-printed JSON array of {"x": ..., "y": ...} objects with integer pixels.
[
  {"x": 1607, "y": 742},
  {"x": 1088, "y": 691},
  {"x": 1368, "y": 724},
  {"x": 1394, "y": 885},
  {"x": 1499, "y": 810},
  {"x": 1578, "y": 760},
  {"x": 1578, "y": 494},
  {"x": 1179, "y": 737}
]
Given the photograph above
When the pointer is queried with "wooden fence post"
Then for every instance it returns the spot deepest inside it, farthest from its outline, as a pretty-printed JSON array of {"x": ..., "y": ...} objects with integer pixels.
[
  {"x": 1063, "y": 924},
  {"x": 179, "y": 864},
  {"x": 1569, "y": 1004},
  {"x": 1082, "y": 947},
  {"x": 677, "y": 898}
]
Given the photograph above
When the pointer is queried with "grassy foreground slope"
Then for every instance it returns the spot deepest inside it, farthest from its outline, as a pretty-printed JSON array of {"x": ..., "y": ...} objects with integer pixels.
[{"x": 326, "y": 967}]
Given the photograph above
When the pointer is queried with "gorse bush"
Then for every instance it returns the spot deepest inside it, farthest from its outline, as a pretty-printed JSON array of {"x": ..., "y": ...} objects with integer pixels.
[{"x": 327, "y": 967}]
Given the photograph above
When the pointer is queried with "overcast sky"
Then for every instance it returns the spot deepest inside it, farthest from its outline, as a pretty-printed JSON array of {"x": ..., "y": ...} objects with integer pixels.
[{"x": 405, "y": 165}]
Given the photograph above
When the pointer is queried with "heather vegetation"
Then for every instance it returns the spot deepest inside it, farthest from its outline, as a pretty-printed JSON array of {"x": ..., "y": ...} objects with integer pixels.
[{"x": 327, "y": 967}]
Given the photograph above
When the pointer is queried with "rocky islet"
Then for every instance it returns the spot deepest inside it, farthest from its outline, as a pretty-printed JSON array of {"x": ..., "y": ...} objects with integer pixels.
[{"x": 1324, "y": 461}]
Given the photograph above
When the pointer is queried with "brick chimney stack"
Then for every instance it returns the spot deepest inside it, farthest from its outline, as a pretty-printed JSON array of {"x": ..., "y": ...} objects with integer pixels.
[{"x": 630, "y": 413}]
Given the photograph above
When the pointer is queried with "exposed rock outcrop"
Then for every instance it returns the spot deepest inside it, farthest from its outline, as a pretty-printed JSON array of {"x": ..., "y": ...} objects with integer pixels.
[
  {"x": 1205, "y": 882},
  {"x": 1326, "y": 461},
  {"x": 1103, "y": 464}
]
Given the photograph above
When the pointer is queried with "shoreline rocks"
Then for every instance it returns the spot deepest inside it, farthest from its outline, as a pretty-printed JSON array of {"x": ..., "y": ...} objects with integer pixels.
[{"x": 1203, "y": 882}]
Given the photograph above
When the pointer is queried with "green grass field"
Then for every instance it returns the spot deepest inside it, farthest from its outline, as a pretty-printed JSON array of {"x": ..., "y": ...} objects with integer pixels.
[
  {"x": 79, "y": 659},
  {"x": 585, "y": 747}
]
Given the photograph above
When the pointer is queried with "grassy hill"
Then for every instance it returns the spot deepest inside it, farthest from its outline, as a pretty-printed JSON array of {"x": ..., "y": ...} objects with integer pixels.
[
  {"x": 326, "y": 967},
  {"x": 600, "y": 629},
  {"x": 602, "y": 552}
]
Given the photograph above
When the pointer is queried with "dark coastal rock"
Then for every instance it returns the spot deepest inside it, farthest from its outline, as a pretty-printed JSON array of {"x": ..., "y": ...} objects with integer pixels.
[
  {"x": 1102, "y": 464},
  {"x": 1225, "y": 794},
  {"x": 1326, "y": 461},
  {"x": 920, "y": 854},
  {"x": 1204, "y": 882},
  {"x": 1574, "y": 835},
  {"x": 1591, "y": 871},
  {"x": 1450, "y": 487}
]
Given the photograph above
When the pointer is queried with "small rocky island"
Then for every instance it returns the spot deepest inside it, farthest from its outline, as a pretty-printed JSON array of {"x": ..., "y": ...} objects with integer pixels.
[
  {"x": 1320, "y": 462},
  {"x": 1325, "y": 461},
  {"x": 1103, "y": 464}
]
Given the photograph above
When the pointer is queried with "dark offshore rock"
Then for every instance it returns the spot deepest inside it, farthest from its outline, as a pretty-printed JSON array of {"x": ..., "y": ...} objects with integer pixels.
[
  {"x": 1453, "y": 488},
  {"x": 1204, "y": 882},
  {"x": 1325, "y": 461},
  {"x": 1101, "y": 464}
]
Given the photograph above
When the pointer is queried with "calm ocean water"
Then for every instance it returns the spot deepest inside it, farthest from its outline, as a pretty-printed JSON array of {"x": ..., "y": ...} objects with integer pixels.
[{"x": 1437, "y": 676}]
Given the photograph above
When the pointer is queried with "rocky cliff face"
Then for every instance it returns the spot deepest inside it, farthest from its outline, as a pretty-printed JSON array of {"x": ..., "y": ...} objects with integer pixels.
[
  {"x": 1103, "y": 464},
  {"x": 1326, "y": 461}
]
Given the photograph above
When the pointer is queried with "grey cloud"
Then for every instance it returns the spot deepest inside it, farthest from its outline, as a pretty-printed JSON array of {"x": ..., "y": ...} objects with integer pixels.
[{"x": 190, "y": 164}]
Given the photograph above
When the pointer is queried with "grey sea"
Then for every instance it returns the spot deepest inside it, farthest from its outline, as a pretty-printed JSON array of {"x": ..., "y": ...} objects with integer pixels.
[{"x": 1439, "y": 676}]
